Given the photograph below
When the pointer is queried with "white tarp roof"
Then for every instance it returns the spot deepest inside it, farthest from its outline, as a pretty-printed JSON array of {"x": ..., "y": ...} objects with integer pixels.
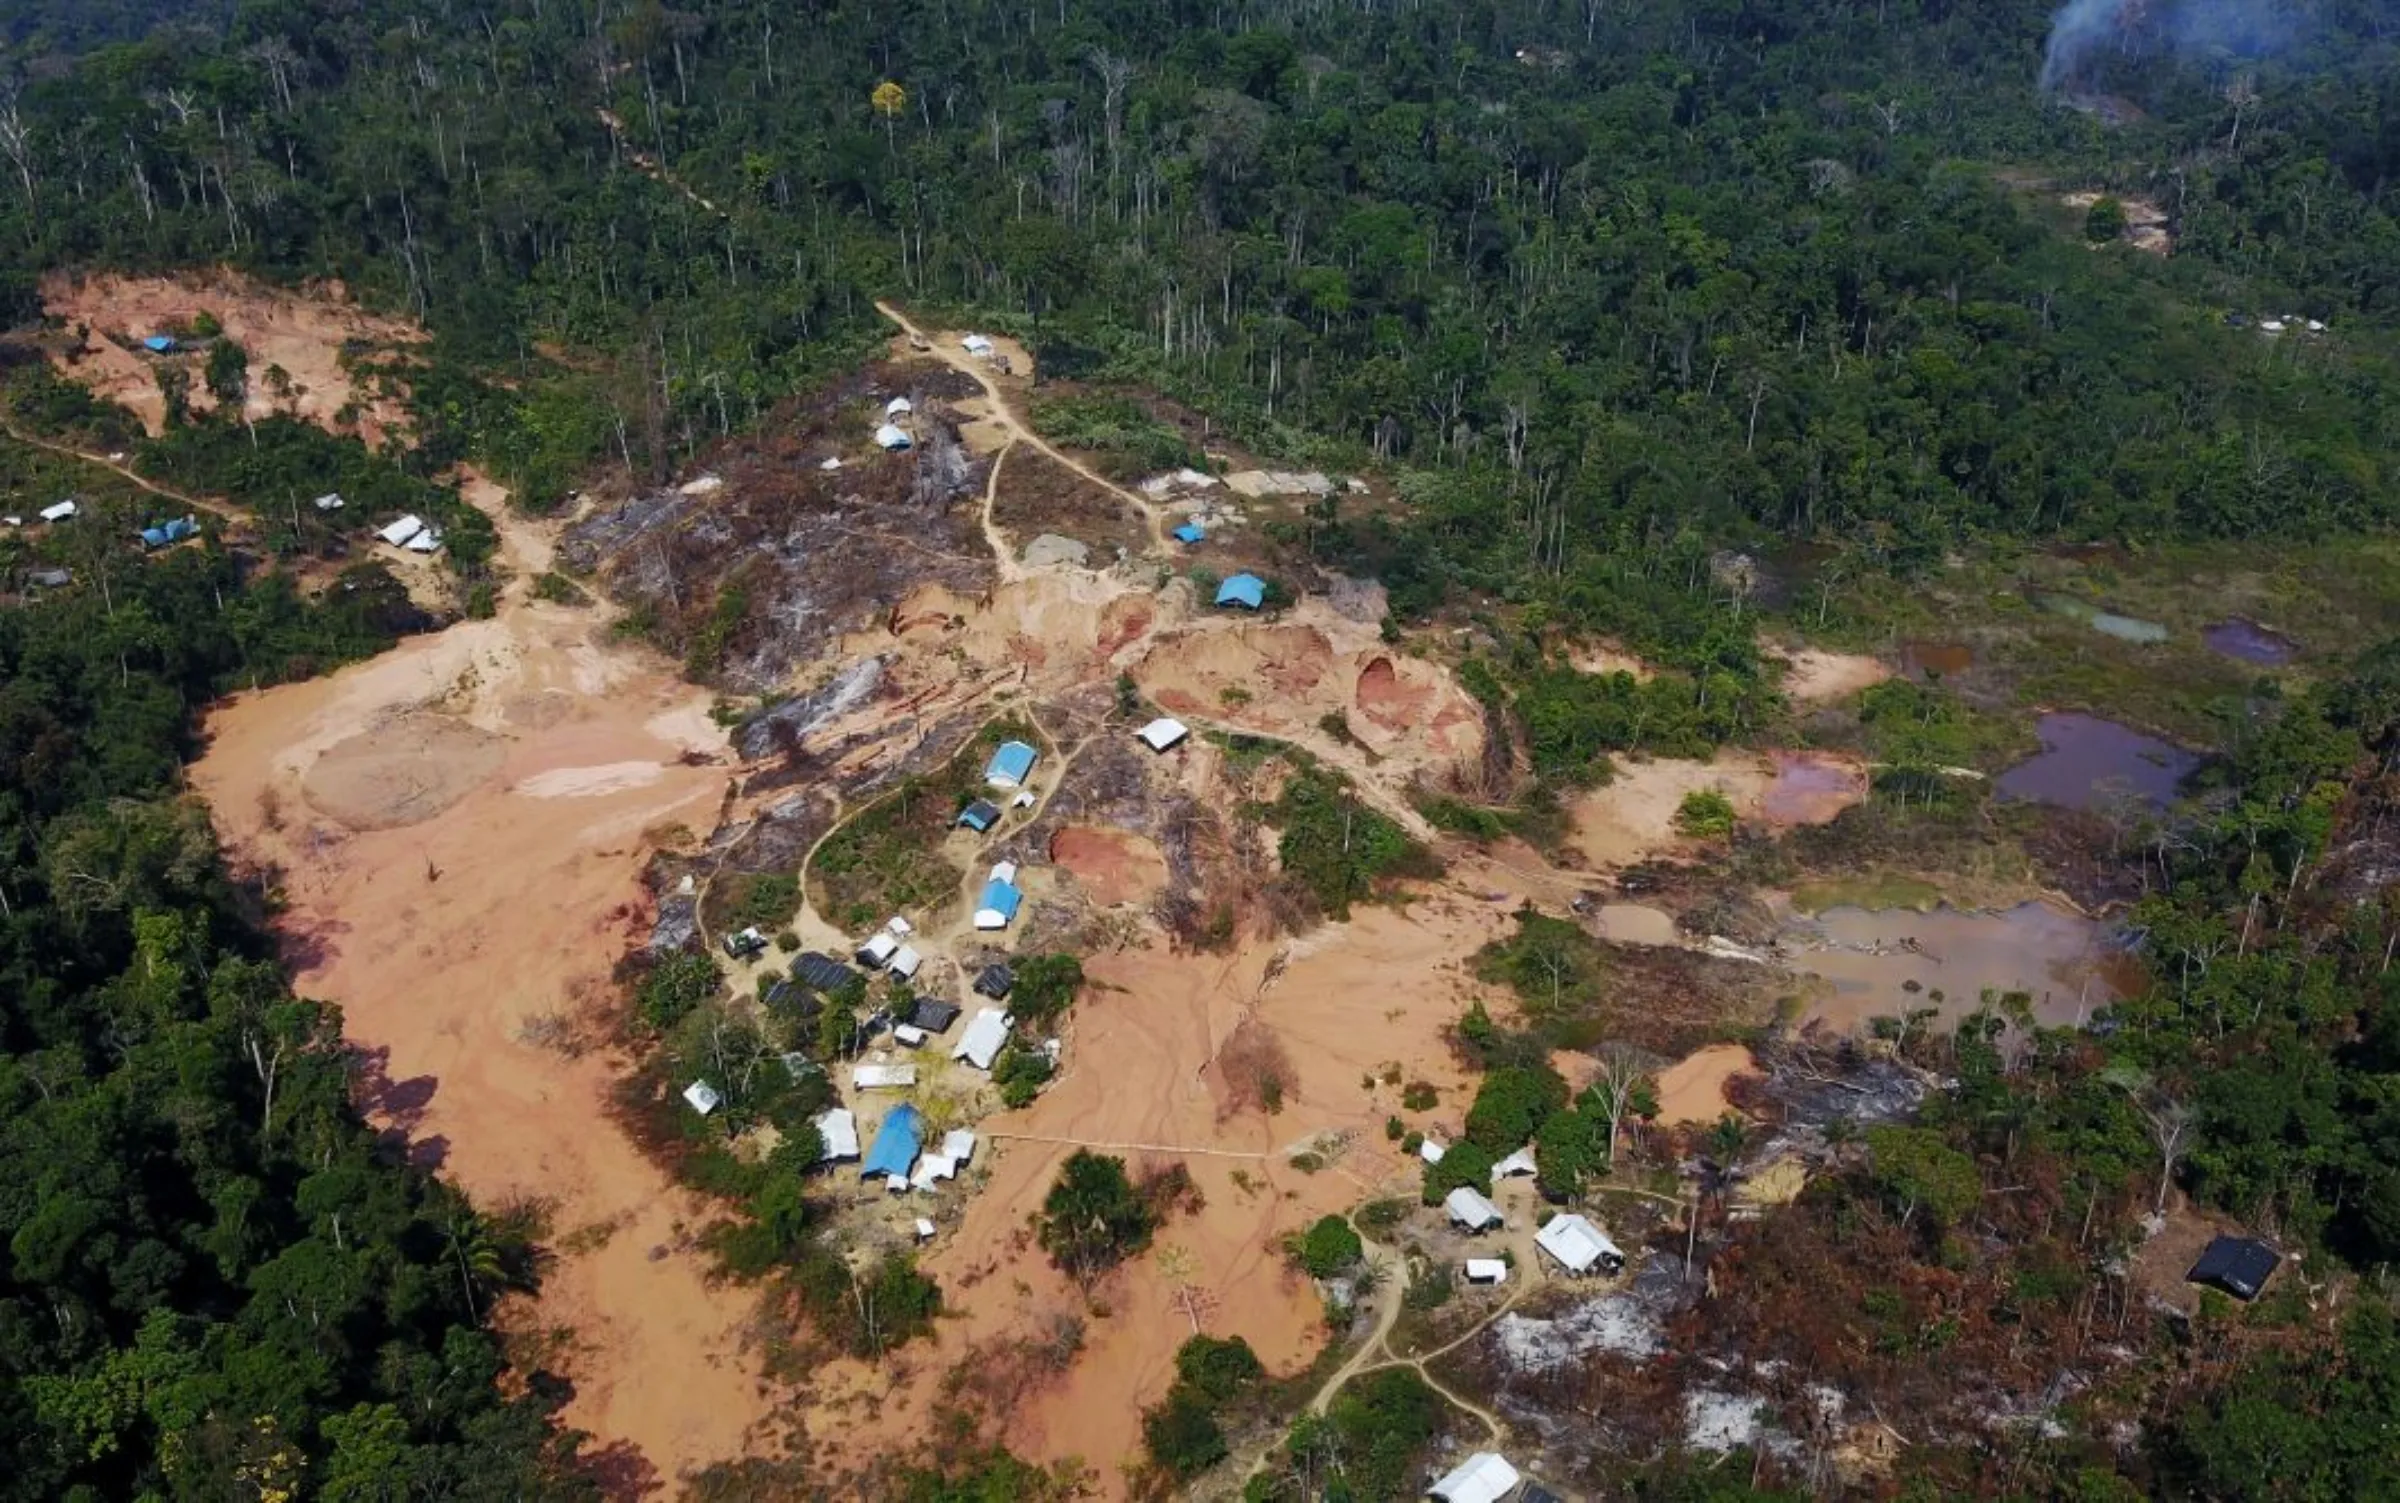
[
  {"x": 1486, "y": 1271},
  {"x": 898, "y": 406},
  {"x": 1432, "y": 1149},
  {"x": 839, "y": 1129},
  {"x": 401, "y": 531},
  {"x": 981, "y": 1043},
  {"x": 1520, "y": 1162},
  {"x": 1471, "y": 1210},
  {"x": 909, "y": 1034},
  {"x": 1162, "y": 733},
  {"x": 925, "y": 1230},
  {"x": 883, "y": 1077},
  {"x": 899, "y": 926},
  {"x": 1481, "y": 1478},
  {"x": 426, "y": 541},
  {"x": 330, "y": 501},
  {"x": 931, "y": 1169},
  {"x": 890, "y": 436},
  {"x": 1005, "y": 871},
  {"x": 703, "y": 1097},
  {"x": 1578, "y": 1245},
  {"x": 906, "y": 962},
  {"x": 58, "y": 512},
  {"x": 878, "y": 949},
  {"x": 958, "y": 1144},
  {"x": 977, "y": 344}
]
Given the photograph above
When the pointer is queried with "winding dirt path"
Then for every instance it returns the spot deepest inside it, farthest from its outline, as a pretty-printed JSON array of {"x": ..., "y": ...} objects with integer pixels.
[
  {"x": 1006, "y": 415},
  {"x": 101, "y": 461}
]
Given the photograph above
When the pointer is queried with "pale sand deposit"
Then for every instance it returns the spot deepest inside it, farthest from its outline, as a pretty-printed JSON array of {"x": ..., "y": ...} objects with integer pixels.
[
  {"x": 1814, "y": 676},
  {"x": 1692, "y": 1090},
  {"x": 458, "y": 826},
  {"x": 303, "y": 333}
]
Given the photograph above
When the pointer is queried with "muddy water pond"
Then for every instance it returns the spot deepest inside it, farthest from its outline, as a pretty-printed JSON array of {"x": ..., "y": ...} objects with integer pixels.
[
  {"x": 2250, "y": 642},
  {"x": 2090, "y": 763},
  {"x": 1888, "y": 961}
]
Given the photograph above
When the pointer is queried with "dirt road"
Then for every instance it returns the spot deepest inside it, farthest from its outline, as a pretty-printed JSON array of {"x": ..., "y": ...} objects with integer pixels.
[
  {"x": 101, "y": 461},
  {"x": 1007, "y": 416}
]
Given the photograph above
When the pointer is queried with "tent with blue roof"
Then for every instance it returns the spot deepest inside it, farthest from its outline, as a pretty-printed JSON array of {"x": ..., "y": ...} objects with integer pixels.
[
  {"x": 997, "y": 908},
  {"x": 159, "y": 344},
  {"x": 896, "y": 1145},
  {"x": 980, "y": 815},
  {"x": 1010, "y": 765},
  {"x": 169, "y": 532},
  {"x": 1191, "y": 532},
  {"x": 1245, "y": 590}
]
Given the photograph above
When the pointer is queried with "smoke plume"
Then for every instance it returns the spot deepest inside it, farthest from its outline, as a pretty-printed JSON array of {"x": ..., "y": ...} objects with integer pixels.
[{"x": 2083, "y": 30}]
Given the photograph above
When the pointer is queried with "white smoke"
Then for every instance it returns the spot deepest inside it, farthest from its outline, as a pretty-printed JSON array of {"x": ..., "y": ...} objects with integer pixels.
[{"x": 2082, "y": 29}]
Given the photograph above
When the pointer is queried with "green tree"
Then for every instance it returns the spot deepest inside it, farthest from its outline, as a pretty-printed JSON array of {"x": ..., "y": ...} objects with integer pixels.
[
  {"x": 1329, "y": 1248},
  {"x": 1093, "y": 1219},
  {"x": 2105, "y": 220},
  {"x": 1916, "y": 1171}
]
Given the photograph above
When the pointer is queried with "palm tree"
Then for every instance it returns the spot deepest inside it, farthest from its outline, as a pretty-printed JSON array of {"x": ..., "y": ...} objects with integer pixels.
[
  {"x": 1720, "y": 1155},
  {"x": 482, "y": 1257}
]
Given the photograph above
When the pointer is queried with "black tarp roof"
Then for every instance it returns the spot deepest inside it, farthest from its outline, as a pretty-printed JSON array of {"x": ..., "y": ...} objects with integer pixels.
[
  {"x": 994, "y": 981},
  {"x": 821, "y": 972},
  {"x": 2240, "y": 1266},
  {"x": 934, "y": 1015}
]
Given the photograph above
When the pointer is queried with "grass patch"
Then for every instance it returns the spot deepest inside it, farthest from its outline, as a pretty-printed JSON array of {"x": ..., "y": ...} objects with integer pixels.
[
  {"x": 1871, "y": 890},
  {"x": 888, "y": 858},
  {"x": 1123, "y": 438}
]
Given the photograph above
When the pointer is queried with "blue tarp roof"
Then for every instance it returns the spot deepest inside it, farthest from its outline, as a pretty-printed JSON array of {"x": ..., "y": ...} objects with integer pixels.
[
  {"x": 1000, "y": 898},
  {"x": 1190, "y": 532},
  {"x": 980, "y": 815},
  {"x": 158, "y": 344},
  {"x": 1243, "y": 589},
  {"x": 1010, "y": 764},
  {"x": 169, "y": 532},
  {"x": 896, "y": 1144}
]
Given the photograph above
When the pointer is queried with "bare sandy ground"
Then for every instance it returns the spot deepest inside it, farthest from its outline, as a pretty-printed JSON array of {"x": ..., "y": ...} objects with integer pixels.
[
  {"x": 458, "y": 826},
  {"x": 1114, "y": 866},
  {"x": 1815, "y": 676},
  {"x": 1139, "y": 1082},
  {"x": 1633, "y": 818},
  {"x": 1693, "y": 1088},
  {"x": 302, "y": 332}
]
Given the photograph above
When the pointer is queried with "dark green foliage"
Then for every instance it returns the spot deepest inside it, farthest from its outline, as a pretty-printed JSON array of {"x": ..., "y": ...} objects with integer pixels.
[
  {"x": 1574, "y": 720},
  {"x": 1336, "y": 849},
  {"x": 867, "y": 1312},
  {"x": 1549, "y": 962},
  {"x": 1046, "y": 986},
  {"x": 1329, "y": 1249},
  {"x": 1218, "y": 1369},
  {"x": 1093, "y": 1219},
  {"x": 1511, "y": 1105},
  {"x": 1918, "y": 1173},
  {"x": 1464, "y": 1164},
  {"x": 994, "y": 1476},
  {"x": 767, "y": 900},
  {"x": 1128, "y": 440},
  {"x": 206, "y": 1292},
  {"x": 2105, "y": 220},
  {"x": 1420, "y": 1096},
  {"x": 1182, "y": 1436},
  {"x": 2293, "y": 1426},
  {"x": 676, "y": 985},
  {"x": 1568, "y": 1149},
  {"x": 1019, "y": 1074}
]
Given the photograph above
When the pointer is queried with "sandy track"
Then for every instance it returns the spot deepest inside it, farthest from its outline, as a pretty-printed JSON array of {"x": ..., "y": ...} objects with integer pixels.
[
  {"x": 950, "y": 352},
  {"x": 102, "y": 461}
]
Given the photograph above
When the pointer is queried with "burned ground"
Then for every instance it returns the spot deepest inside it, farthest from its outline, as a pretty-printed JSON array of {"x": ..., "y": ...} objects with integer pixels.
[{"x": 765, "y": 562}]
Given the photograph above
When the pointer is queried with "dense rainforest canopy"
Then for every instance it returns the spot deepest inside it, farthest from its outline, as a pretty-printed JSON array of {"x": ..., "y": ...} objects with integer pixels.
[{"x": 1603, "y": 286}]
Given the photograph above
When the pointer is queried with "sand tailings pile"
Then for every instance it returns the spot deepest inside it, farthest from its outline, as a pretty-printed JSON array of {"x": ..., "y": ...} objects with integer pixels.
[
  {"x": 459, "y": 825},
  {"x": 302, "y": 333}
]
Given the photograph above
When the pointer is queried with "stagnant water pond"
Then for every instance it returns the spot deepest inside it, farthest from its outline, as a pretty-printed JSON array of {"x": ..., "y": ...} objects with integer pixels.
[{"x": 2090, "y": 763}]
